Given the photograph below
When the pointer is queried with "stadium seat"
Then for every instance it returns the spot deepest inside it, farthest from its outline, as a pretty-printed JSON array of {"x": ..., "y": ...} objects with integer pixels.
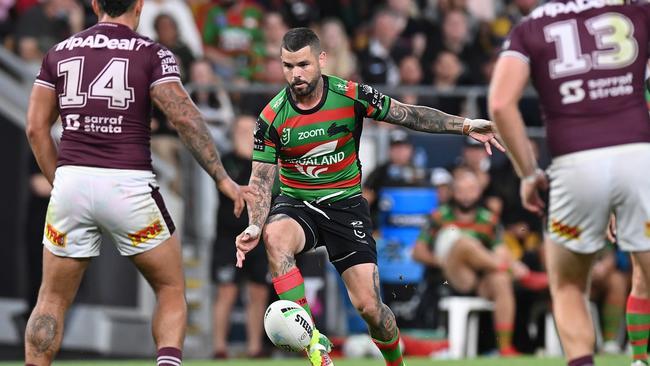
[{"x": 463, "y": 322}]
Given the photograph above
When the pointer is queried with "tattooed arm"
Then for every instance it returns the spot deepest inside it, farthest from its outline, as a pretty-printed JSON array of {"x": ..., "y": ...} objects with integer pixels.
[
  {"x": 261, "y": 185},
  {"x": 173, "y": 100},
  {"x": 421, "y": 118},
  {"x": 259, "y": 204},
  {"x": 425, "y": 119}
]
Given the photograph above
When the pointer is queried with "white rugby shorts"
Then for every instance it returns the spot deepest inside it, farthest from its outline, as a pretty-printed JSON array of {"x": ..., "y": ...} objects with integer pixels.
[
  {"x": 87, "y": 202},
  {"x": 587, "y": 185}
]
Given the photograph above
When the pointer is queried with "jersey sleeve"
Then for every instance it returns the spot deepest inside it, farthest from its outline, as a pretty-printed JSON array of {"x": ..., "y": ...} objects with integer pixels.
[
  {"x": 164, "y": 67},
  {"x": 46, "y": 75},
  {"x": 515, "y": 44},
  {"x": 375, "y": 104},
  {"x": 265, "y": 147}
]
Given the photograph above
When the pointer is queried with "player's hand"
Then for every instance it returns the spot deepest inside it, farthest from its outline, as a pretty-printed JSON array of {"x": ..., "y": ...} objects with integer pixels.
[
  {"x": 529, "y": 191},
  {"x": 483, "y": 131},
  {"x": 247, "y": 241},
  {"x": 235, "y": 192}
]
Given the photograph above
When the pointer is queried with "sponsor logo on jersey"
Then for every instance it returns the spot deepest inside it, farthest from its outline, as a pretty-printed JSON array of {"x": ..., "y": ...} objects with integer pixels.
[
  {"x": 148, "y": 233},
  {"x": 574, "y": 6},
  {"x": 99, "y": 124},
  {"x": 335, "y": 129},
  {"x": 286, "y": 135},
  {"x": 564, "y": 230},
  {"x": 311, "y": 133},
  {"x": 372, "y": 96},
  {"x": 311, "y": 164},
  {"x": 102, "y": 41},
  {"x": 72, "y": 122},
  {"x": 55, "y": 237},
  {"x": 341, "y": 87},
  {"x": 258, "y": 136}
]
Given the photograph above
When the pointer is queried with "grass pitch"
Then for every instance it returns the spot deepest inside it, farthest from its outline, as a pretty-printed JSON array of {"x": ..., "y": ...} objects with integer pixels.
[{"x": 520, "y": 361}]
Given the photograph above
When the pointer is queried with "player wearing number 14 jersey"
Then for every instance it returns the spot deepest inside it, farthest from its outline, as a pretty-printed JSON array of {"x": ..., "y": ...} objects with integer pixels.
[
  {"x": 587, "y": 60},
  {"x": 102, "y": 83}
]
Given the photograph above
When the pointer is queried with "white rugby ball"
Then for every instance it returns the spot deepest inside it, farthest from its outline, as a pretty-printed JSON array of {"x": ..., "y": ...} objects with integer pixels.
[{"x": 288, "y": 325}]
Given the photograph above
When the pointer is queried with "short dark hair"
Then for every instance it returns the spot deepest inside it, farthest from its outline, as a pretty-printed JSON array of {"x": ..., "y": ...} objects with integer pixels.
[
  {"x": 298, "y": 38},
  {"x": 115, "y": 8}
]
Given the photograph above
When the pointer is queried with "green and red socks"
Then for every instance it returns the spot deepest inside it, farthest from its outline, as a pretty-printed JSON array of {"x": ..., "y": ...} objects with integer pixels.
[
  {"x": 390, "y": 350},
  {"x": 291, "y": 286},
  {"x": 504, "y": 339},
  {"x": 613, "y": 315},
  {"x": 638, "y": 326}
]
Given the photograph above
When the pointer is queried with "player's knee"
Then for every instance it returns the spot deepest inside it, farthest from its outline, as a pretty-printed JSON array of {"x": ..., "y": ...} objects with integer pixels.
[
  {"x": 279, "y": 237},
  {"x": 369, "y": 309}
]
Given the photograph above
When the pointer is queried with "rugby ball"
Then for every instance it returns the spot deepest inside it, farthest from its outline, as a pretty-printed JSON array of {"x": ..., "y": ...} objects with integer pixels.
[{"x": 288, "y": 325}]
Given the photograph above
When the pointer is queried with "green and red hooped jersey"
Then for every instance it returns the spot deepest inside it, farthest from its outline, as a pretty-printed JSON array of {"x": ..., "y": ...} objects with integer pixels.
[
  {"x": 317, "y": 149},
  {"x": 485, "y": 226}
]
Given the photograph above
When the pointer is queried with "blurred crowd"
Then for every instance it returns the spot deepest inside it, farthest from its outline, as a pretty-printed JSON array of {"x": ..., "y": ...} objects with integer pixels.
[{"x": 442, "y": 44}]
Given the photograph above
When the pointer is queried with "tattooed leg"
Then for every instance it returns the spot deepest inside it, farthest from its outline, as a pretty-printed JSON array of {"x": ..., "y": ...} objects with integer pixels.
[
  {"x": 283, "y": 238},
  {"x": 362, "y": 282},
  {"x": 61, "y": 278}
]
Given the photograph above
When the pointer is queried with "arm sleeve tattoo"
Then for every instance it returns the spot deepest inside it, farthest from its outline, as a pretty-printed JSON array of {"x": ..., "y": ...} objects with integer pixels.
[
  {"x": 261, "y": 182},
  {"x": 421, "y": 118},
  {"x": 173, "y": 100}
]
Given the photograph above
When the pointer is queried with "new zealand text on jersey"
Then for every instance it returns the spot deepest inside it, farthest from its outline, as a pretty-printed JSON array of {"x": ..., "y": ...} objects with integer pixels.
[{"x": 102, "y": 41}]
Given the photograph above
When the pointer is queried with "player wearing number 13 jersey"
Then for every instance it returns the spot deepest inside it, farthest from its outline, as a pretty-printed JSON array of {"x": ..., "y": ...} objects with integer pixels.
[
  {"x": 102, "y": 83},
  {"x": 587, "y": 60}
]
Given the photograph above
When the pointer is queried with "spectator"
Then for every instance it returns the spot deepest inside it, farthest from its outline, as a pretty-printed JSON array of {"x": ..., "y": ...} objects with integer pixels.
[
  {"x": 474, "y": 158},
  {"x": 49, "y": 22},
  {"x": 233, "y": 39},
  {"x": 457, "y": 38},
  {"x": 167, "y": 34},
  {"x": 399, "y": 171},
  {"x": 410, "y": 73},
  {"x": 298, "y": 13},
  {"x": 441, "y": 179},
  {"x": 274, "y": 30},
  {"x": 461, "y": 239},
  {"x": 228, "y": 278},
  {"x": 213, "y": 102},
  {"x": 378, "y": 65},
  {"x": 180, "y": 11},
  {"x": 340, "y": 59},
  {"x": 447, "y": 70},
  {"x": 414, "y": 34}
]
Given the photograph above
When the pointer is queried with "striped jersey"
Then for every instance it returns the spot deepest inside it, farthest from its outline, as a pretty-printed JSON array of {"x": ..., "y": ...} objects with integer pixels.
[
  {"x": 485, "y": 226},
  {"x": 317, "y": 149}
]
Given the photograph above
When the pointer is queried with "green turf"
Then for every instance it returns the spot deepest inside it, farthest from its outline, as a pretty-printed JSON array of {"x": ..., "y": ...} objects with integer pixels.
[{"x": 522, "y": 361}]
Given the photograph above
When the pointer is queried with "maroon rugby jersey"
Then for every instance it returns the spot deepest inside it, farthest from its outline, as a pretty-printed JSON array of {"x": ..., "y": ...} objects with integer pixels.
[
  {"x": 587, "y": 60},
  {"x": 102, "y": 77}
]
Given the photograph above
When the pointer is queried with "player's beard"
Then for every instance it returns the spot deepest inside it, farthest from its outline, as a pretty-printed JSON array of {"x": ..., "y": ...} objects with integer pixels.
[
  {"x": 311, "y": 86},
  {"x": 464, "y": 207}
]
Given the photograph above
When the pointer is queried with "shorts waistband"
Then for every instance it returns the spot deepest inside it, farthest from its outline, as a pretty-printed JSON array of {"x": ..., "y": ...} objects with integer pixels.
[{"x": 598, "y": 153}]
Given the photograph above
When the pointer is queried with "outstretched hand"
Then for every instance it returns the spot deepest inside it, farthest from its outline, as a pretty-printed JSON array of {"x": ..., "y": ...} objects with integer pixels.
[{"x": 483, "y": 131}]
